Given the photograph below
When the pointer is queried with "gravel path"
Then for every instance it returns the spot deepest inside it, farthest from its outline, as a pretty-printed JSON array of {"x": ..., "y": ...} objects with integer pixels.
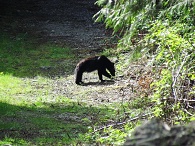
[{"x": 60, "y": 21}]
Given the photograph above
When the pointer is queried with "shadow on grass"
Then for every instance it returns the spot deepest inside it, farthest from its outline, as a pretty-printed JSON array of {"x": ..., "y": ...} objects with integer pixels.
[
  {"x": 24, "y": 57},
  {"x": 46, "y": 124}
]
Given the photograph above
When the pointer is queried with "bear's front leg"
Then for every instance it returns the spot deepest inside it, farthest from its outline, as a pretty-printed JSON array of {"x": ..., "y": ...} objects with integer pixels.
[
  {"x": 79, "y": 75},
  {"x": 100, "y": 75},
  {"x": 105, "y": 73}
]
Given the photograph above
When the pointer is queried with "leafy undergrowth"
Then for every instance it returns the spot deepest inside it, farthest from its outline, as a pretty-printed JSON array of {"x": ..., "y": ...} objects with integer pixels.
[{"x": 41, "y": 105}]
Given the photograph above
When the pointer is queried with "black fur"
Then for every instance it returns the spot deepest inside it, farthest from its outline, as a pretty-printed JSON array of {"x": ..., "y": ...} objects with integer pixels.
[{"x": 100, "y": 63}]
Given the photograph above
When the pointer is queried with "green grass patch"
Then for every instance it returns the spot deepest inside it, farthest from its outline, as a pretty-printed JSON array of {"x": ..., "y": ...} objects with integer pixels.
[
  {"x": 9, "y": 84},
  {"x": 24, "y": 58},
  {"x": 53, "y": 124},
  {"x": 13, "y": 141}
]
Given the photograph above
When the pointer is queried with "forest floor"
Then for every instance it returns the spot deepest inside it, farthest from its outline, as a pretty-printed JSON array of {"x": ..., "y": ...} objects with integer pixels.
[{"x": 63, "y": 24}]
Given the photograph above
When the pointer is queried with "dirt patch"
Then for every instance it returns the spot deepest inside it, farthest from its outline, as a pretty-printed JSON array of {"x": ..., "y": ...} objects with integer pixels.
[{"x": 62, "y": 22}]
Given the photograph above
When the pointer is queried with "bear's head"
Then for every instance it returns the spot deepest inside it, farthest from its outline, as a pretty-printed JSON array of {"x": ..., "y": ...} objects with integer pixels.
[{"x": 111, "y": 68}]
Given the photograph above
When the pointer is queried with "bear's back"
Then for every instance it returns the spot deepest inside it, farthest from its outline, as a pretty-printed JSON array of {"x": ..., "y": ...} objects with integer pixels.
[{"x": 88, "y": 64}]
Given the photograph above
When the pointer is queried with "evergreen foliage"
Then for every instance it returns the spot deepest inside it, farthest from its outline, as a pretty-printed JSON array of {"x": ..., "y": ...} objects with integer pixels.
[
  {"x": 131, "y": 17},
  {"x": 166, "y": 31}
]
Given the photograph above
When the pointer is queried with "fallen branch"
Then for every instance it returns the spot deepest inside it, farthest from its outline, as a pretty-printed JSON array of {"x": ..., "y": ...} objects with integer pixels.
[
  {"x": 175, "y": 77},
  {"x": 122, "y": 123},
  {"x": 188, "y": 112},
  {"x": 171, "y": 99}
]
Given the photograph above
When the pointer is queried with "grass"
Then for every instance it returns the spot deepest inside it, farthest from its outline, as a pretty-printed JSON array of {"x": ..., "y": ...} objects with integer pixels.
[
  {"x": 37, "y": 125},
  {"x": 28, "y": 121},
  {"x": 21, "y": 57},
  {"x": 41, "y": 105}
]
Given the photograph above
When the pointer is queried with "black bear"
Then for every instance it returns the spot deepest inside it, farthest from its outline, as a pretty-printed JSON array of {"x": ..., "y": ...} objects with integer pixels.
[{"x": 100, "y": 63}]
